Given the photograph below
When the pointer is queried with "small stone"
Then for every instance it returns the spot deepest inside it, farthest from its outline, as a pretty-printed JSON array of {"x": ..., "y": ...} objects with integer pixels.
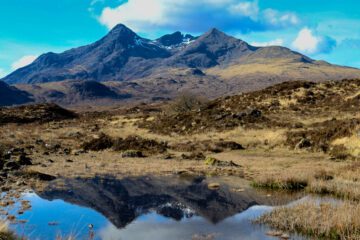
[
  {"x": 274, "y": 233},
  {"x": 285, "y": 236},
  {"x": 11, "y": 218},
  {"x": 239, "y": 190},
  {"x": 20, "y": 183},
  {"x": 11, "y": 165},
  {"x": 24, "y": 160},
  {"x": 213, "y": 186},
  {"x": 132, "y": 154}
]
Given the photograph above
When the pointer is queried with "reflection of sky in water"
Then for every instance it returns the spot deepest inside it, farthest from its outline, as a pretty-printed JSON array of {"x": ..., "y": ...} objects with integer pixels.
[
  {"x": 75, "y": 219},
  {"x": 71, "y": 219},
  {"x": 153, "y": 226}
]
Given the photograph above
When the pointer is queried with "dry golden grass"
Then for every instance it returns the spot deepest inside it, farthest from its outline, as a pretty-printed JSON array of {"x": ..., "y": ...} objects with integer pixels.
[
  {"x": 266, "y": 160},
  {"x": 112, "y": 163},
  {"x": 5, "y": 234},
  {"x": 337, "y": 187},
  {"x": 345, "y": 184},
  {"x": 352, "y": 144},
  {"x": 338, "y": 179},
  {"x": 284, "y": 67},
  {"x": 261, "y": 138},
  {"x": 281, "y": 182},
  {"x": 241, "y": 70},
  {"x": 350, "y": 172},
  {"x": 328, "y": 220},
  {"x": 279, "y": 163},
  {"x": 3, "y": 226},
  {"x": 353, "y": 95}
]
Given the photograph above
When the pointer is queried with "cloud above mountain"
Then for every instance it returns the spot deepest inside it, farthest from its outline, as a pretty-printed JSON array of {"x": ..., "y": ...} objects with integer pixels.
[
  {"x": 196, "y": 16},
  {"x": 22, "y": 62},
  {"x": 275, "y": 42},
  {"x": 310, "y": 43},
  {"x": 2, "y": 73}
]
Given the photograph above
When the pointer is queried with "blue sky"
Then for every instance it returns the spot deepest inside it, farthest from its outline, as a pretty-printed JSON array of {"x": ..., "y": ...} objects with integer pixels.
[{"x": 322, "y": 29}]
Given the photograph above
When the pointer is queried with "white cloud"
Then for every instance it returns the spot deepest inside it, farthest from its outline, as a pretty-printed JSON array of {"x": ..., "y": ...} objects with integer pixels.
[
  {"x": 310, "y": 43},
  {"x": 2, "y": 73},
  {"x": 306, "y": 41},
  {"x": 276, "y": 42},
  {"x": 195, "y": 16},
  {"x": 277, "y": 18},
  {"x": 22, "y": 62},
  {"x": 248, "y": 9},
  {"x": 134, "y": 12}
]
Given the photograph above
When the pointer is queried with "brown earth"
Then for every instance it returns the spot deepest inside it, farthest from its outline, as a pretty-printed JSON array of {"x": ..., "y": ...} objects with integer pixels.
[
  {"x": 312, "y": 114},
  {"x": 290, "y": 127}
]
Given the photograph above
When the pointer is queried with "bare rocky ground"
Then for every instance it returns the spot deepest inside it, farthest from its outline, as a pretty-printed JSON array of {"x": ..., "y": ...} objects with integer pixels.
[
  {"x": 291, "y": 121},
  {"x": 297, "y": 135}
]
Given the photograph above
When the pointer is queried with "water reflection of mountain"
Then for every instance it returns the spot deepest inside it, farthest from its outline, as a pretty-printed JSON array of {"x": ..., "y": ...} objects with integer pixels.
[{"x": 122, "y": 201}]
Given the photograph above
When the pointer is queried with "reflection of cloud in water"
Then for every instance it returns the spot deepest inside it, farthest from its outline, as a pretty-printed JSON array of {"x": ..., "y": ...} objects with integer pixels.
[{"x": 153, "y": 226}]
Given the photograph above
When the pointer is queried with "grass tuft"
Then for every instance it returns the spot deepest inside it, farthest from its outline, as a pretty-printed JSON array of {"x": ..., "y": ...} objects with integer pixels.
[
  {"x": 328, "y": 220},
  {"x": 290, "y": 183},
  {"x": 5, "y": 233}
]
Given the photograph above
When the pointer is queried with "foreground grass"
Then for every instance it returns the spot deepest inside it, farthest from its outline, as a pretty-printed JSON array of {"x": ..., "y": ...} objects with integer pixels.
[
  {"x": 338, "y": 188},
  {"x": 342, "y": 183},
  {"x": 290, "y": 183},
  {"x": 324, "y": 221},
  {"x": 5, "y": 234}
]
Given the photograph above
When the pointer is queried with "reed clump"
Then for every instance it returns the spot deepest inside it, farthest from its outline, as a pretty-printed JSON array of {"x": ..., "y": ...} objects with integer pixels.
[{"x": 329, "y": 220}]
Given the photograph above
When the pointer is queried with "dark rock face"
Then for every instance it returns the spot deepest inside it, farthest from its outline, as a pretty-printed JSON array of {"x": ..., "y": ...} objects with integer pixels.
[
  {"x": 11, "y": 95},
  {"x": 175, "y": 39},
  {"x": 211, "y": 49}
]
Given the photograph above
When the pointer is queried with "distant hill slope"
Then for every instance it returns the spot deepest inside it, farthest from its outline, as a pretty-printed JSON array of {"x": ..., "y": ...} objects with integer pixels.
[
  {"x": 73, "y": 92},
  {"x": 34, "y": 113},
  {"x": 12, "y": 96},
  {"x": 286, "y": 105}
]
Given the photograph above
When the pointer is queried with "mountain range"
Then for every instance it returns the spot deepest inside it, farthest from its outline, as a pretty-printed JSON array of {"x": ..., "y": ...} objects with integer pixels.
[{"x": 124, "y": 66}]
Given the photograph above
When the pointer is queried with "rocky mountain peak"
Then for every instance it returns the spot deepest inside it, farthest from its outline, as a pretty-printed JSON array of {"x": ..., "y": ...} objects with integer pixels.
[
  {"x": 175, "y": 38},
  {"x": 216, "y": 34},
  {"x": 121, "y": 29},
  {"x": 121, "y": 34}
]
